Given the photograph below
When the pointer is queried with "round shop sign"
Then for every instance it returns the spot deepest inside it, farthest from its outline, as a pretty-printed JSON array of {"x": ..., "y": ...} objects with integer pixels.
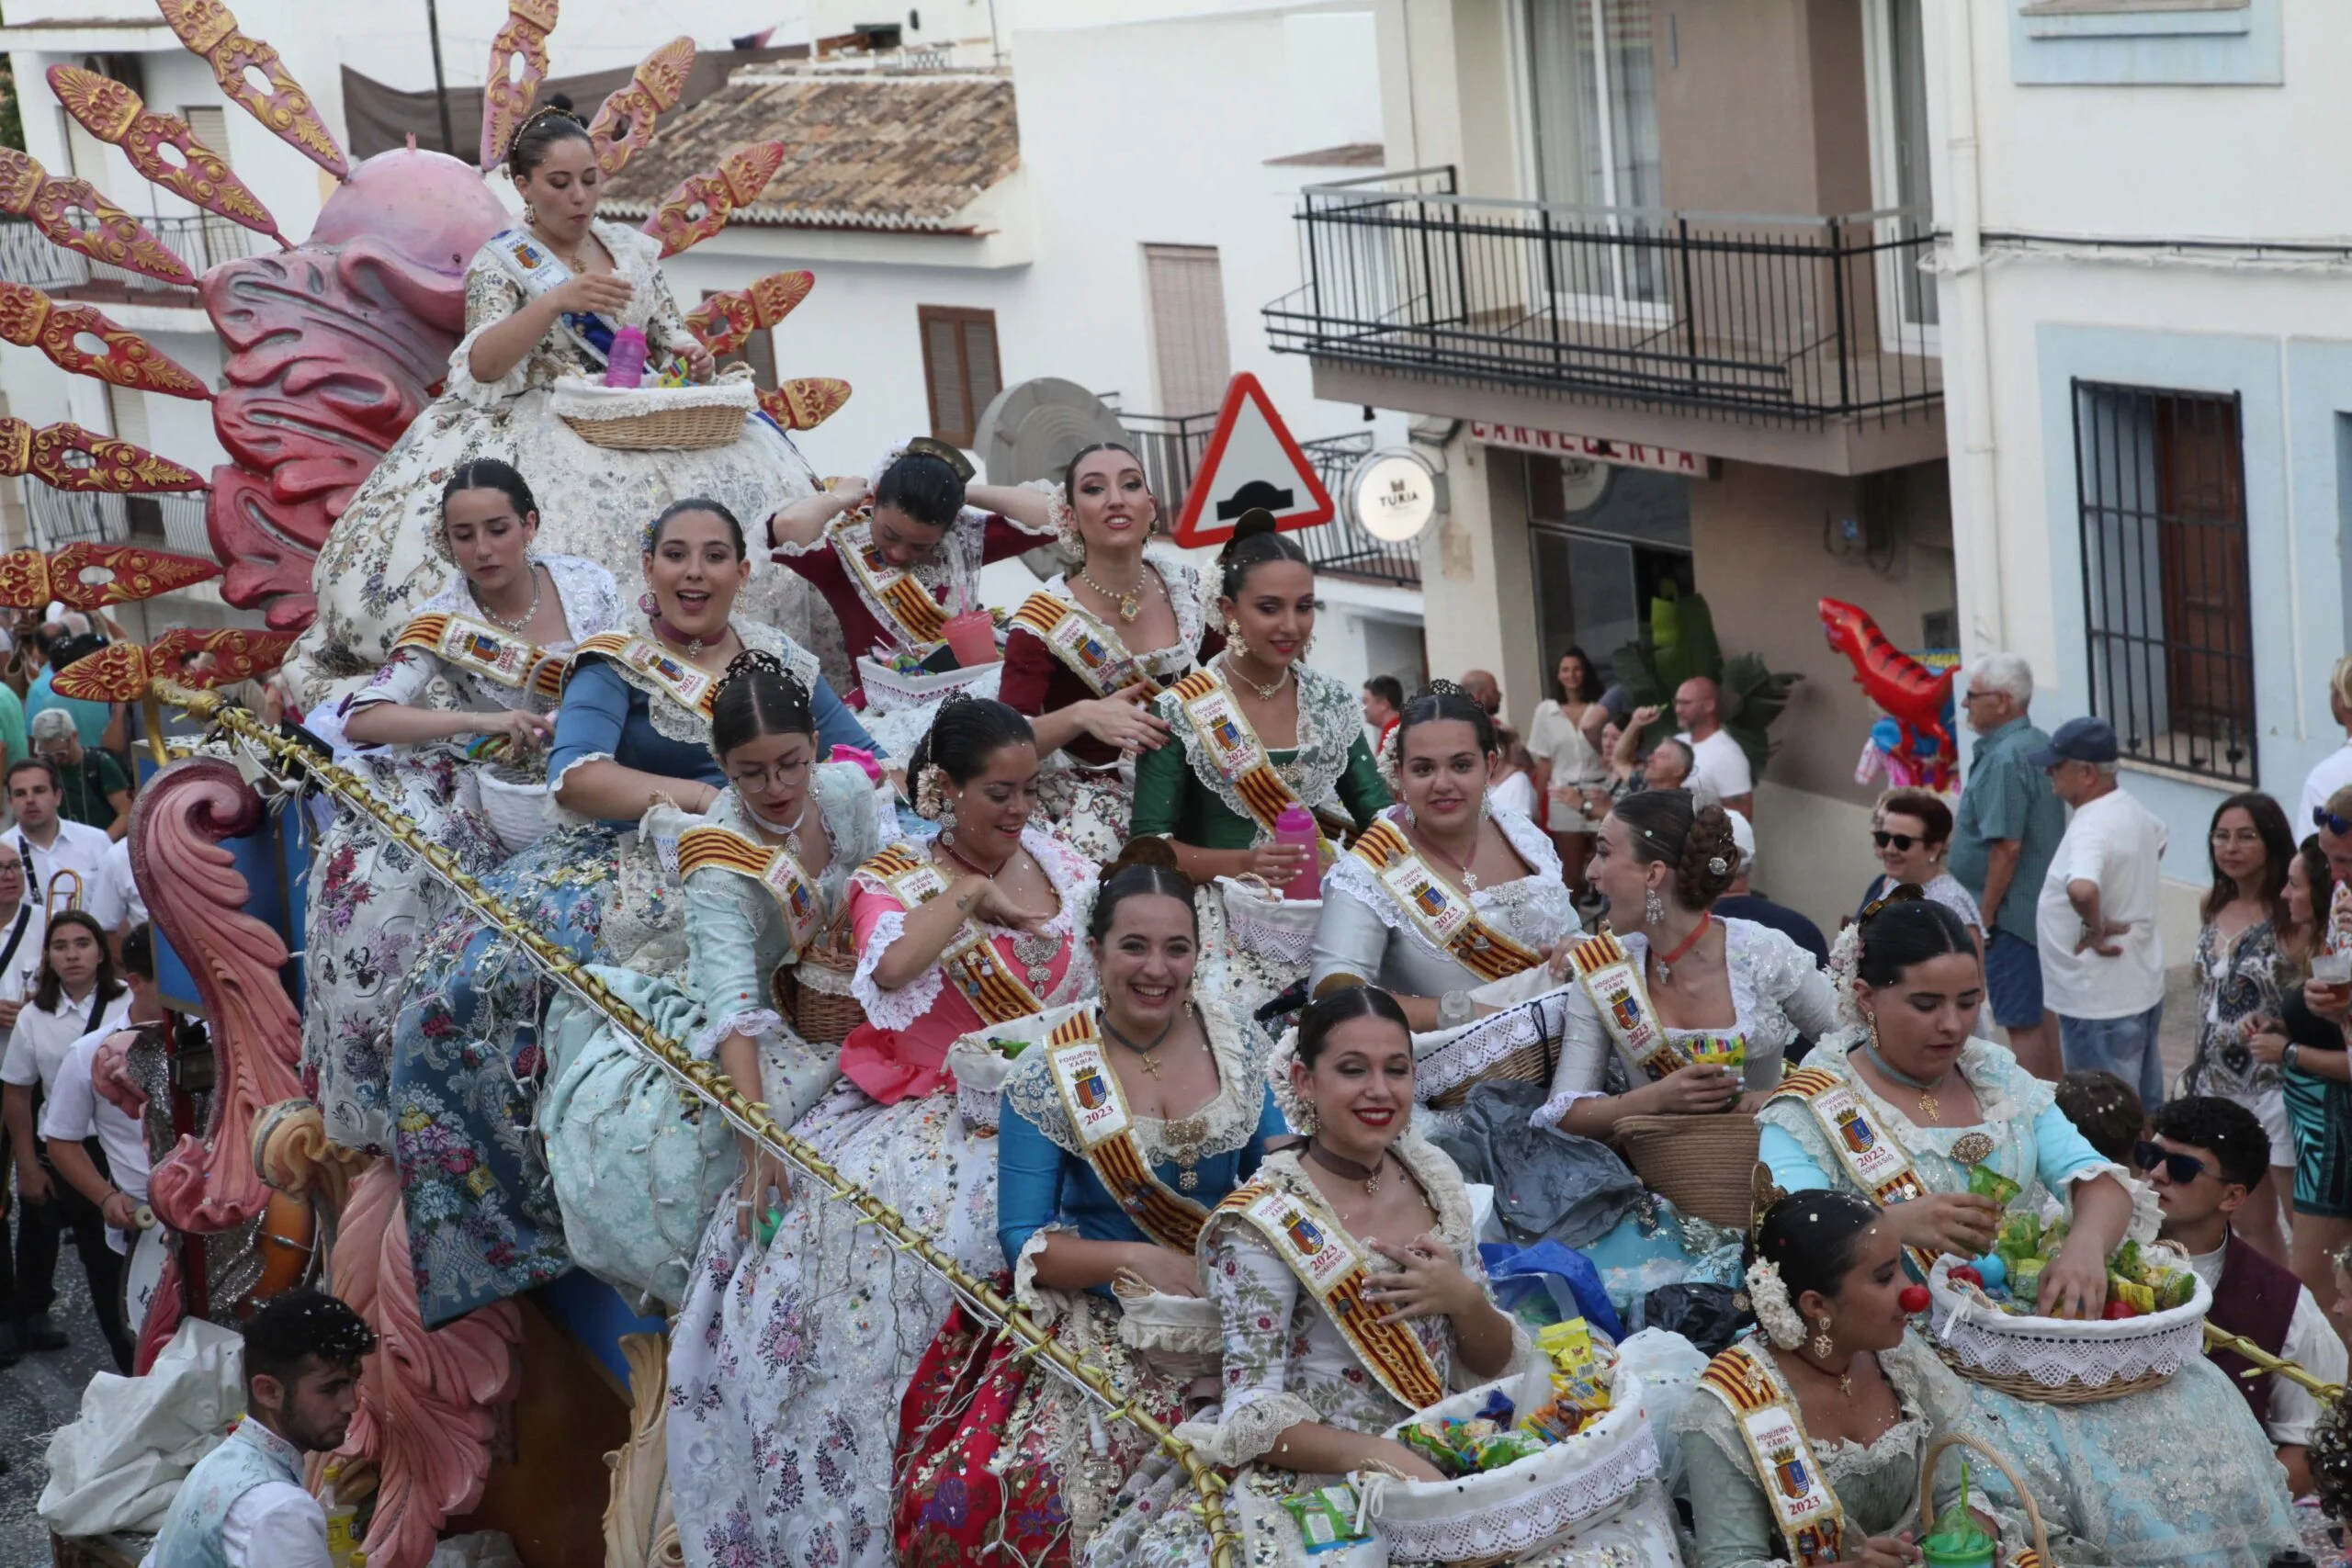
[{"x": 1393, "y": 494}]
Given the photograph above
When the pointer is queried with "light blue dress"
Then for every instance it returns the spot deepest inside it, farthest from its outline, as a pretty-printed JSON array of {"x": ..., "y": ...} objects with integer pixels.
[{"x": 2180, "y": 1476}]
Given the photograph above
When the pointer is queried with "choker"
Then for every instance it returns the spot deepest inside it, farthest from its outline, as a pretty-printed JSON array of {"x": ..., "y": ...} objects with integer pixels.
[
  {"x": 1370, "y": 1175},
  {"x": 1927, "y": 1090},
  {"x": 694, "y": 646}
]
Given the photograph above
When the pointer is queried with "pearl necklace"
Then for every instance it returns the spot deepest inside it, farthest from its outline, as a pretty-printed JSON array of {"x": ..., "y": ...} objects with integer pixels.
[
  {"x": 1130, "y": 604},
  {"x": 538, "y": 589}
]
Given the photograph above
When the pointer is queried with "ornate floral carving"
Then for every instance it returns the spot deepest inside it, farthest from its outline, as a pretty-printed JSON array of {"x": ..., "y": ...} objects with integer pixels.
[
  {"x": 84, "y": 576},
  {"x": 624, "y": 121},
  {"x": 110, "y": 235},
  {"x": 507, "y": 98},
  {"x": 209, "y": 28},
  {"x": 699, "y": 205},
  {"x": 110, "y": 111},
  {"x": 724, "y": 321},
  {"x": 30, "y": 319},
  {"x": 120, "y": 671},
  {"x": 112, "y": 464},
  {"x": 806, "y": 403}
]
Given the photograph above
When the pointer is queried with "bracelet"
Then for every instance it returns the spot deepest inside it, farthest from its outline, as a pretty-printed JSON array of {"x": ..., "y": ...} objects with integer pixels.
[{"x": 2287, "y": 1057}]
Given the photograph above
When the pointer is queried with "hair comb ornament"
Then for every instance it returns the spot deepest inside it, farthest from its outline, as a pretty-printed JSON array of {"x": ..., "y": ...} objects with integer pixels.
[
  {"x": 1441, "y": 687},
  {"x": 925, "y": 447},
  {"x": 1905, "y": 893}
]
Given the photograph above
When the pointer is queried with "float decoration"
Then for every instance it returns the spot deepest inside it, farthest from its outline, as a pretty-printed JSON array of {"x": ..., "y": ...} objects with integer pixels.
[
  {"x": 114, "y": 467},
  {"x": 506, "y": 101},
  {"x": 1915, "y": 696},
  {"x": 805, "y": 403},
  {"x": 122, "y": 672},
  {"x": 625, "y": 120},
  {"x": 110, "y": 111},
  {"x": 30, "y": 319},
  {"x": 112, "y": 236},
  {"x": 700, "y": 205},
  {"x": 726, "y": 320},
  {"x": 208, "y": 30},
  {"x": 84, "y": 576}
]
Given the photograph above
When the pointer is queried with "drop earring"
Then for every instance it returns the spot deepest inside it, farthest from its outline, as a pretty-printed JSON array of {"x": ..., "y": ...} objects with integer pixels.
[
  {"x": 1653, "y": 908},
  {"x": 1823, "y": 1345},
  {"x": 530, "y": 217},
  {"x": 645, "y": 602}
]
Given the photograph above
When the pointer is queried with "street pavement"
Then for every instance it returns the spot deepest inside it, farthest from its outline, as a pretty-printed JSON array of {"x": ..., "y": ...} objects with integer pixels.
[{"x": 38, "y": 1395}]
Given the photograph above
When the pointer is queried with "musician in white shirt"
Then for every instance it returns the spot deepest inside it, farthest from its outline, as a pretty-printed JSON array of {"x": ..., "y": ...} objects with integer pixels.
[
  {"x": 22, "y": 924},
  {"x": 49, "y": 843}
]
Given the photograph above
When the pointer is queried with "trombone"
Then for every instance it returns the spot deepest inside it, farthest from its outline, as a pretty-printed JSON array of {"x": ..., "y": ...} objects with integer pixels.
[{"x": 64, "y": 880}]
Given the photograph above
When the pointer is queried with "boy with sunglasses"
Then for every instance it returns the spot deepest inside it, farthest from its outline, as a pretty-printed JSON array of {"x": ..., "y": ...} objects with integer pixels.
[{"x": 2203, "y": 1155}]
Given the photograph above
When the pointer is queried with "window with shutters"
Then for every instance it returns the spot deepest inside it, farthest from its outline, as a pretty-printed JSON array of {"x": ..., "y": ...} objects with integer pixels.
[
  {"x": 1187, "y": 288},
  {"x": 127, "y": 409},
  {"x": 959, "y": 367},
  {"x": 758, "y": 351}
]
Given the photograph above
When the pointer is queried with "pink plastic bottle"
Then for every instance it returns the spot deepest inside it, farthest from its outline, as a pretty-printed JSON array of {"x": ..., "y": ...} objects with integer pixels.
[
  {"x": 625, "y": 366},
  {"x": 1297, "y": 826}
]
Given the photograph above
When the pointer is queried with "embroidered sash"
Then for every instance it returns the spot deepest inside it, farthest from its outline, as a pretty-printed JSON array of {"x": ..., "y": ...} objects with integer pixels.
[
  {"x": 498, "y": 657},
  {"x": 895, "y": 594},
  {"x": 1872, "y": 1156},
  {"x": 1802, "y": 1502},
  {"x": 693, "y": 689},
  {"x": 1098, "y": 1114},
  {"x": 1331, "y": 1268},
  {"x": 1445, "y": 916},
  {"x": 772, "y": 866},
  {"x": 1239, "y": 756},
  {"x": 1613, "y": 981},
  {"x": 534, "y": 266},
  {"x": 1091, "y": 650},
  {"x": 971, "y": 962}
]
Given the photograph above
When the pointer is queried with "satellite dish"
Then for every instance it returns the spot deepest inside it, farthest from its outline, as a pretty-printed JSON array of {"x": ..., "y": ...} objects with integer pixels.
[{"x": 1031, "y": 431}]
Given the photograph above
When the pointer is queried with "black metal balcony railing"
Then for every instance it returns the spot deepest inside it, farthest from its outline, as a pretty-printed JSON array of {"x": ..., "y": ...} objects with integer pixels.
[
  {"x": 173, "y": 522},
  {"x": 27, "y": 256},
  {"x": 1791, "y": 320},
  {"x": 1171, "y": 447}
]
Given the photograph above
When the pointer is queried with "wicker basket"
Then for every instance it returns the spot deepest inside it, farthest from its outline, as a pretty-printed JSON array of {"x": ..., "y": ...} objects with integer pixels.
[
  {"x": 2057, "y": 1360},
  {"x": 1702, "y": 1165},
  {"x": 814, "y": 993},
  {"x": 2025, "y": 1494},
  {"x": 1515, "y": 1046},
  {"x": 655, "y": 419},
  {"x": 521, "y": 807}
]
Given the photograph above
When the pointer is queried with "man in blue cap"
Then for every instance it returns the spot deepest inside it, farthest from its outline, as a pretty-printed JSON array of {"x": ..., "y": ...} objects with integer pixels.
[{"x": 2102, "y": 958}]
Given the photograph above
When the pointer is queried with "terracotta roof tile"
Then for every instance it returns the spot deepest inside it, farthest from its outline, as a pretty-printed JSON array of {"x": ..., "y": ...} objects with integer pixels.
[{"x": 866, "y": 150}]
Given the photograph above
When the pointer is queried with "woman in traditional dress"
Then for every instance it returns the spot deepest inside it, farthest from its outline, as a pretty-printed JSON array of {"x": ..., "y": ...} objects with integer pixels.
[
  {"x": 1832, "y": 1371},
  {"x": 633, "y": 733},
  {"x": 2178, "y": 1475},
  {"x": 896, "y": 556},
  {"x": 1442, "y": 895},
  {"x": 482, "y": 660},
  {"x": 543, "y": 302},
  {"x": 1694, "y": 1006},
  {"x": 982, "y": 927},
  {"x": 1310, "y": 1384},
  {"x": 1009, "y": 1458},
  {"x": 1255, "y": 728},
  {"x": 1088, "y": 652}
]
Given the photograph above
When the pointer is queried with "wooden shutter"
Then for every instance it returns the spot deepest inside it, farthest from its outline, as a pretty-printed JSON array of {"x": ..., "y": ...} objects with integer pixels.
[
  {"x": 960, "y": 369},
  {"x": 210, "y": 123},
  {"x": 1189, "y": 346}
]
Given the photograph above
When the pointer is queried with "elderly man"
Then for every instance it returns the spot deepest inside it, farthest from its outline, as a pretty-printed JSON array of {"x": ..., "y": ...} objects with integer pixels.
[
  {"x": 2102, "y": 957},
  {"x": 1716, "y": 759},
  {"x": 92, "y": 787},
  {"x": 2007, "y": 826}
]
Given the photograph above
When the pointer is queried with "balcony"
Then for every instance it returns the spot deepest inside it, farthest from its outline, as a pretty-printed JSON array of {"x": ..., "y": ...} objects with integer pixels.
[
  {"x": 27, "y": 256},
  {"x": 173, "y": 522},
  {"x": 1746, "y": 320},
  {"x": 1171, "y": 447}
]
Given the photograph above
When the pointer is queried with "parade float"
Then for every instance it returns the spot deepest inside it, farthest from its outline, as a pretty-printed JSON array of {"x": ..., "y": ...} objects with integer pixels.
[{"x": 511, "y": 1416}]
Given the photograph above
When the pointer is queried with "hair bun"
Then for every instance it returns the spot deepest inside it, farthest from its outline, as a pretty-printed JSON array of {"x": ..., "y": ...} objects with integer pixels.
[
  {"x": 1145, "y": 849},
  {"x": 1252, "y": 522},
  {"x": 560, "y": 101}
]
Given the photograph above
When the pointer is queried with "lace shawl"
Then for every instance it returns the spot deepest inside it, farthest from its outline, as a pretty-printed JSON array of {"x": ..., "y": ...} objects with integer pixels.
[
  {"x": 494, "y": 290},
  {"x": 1329, "y": 720},
  {"x": 1182, "y": 581},
  {"x": 672, "y": 719},
  {"x": 1074, "y": 878},
  {"x": 1229, "y": 1117},
  {"x": 1535, "y": 910}
]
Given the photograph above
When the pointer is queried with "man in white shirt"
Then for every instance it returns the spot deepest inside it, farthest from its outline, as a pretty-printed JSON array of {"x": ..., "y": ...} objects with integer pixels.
[
  {"x": 49, "y": 843},
  {"x": 2205, "y": 1157},
  {"x": 1716, "y": 759},
  {"x": 2332, "y": 771},
  {"x": 244, "y": 1505},
  {"x": 22, "y": 924},
  {"x": 113, "y": 895},
  {"x": 2102, "y": 957}
]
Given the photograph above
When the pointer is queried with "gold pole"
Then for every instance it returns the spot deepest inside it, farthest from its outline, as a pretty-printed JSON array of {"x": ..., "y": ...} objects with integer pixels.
[
  {"x": 151, "y": 708},
  {"x": 2264, "y": 1361},
  {"x": 705, "y": 1079}
]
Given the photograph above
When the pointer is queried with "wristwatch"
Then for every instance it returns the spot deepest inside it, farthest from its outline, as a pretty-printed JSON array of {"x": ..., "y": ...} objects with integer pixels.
[{"x": 2287, "y": 1057}]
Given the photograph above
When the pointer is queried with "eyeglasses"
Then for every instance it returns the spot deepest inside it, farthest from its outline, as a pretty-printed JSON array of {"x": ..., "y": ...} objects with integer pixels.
[
  {"x": 1903, "y": 841},
  {"x": 2339, "y": 826},
  {"x": 760, "y": 778},
  {"x": 2183, "y": 1168}
]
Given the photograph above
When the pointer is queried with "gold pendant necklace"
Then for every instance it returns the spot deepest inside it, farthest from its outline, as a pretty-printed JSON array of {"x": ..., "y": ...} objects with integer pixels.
[
  {"x": 1130, "y": 604},
  {"x": 1266, "y": 692}
]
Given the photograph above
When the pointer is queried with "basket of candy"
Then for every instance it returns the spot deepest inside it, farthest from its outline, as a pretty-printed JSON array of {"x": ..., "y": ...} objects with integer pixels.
[
  {"x": 1528, "y": 1460},
  {"x": 654, "y": 417},
  {"x": 1987, "y": 1327},
  {"x": 522, "y": 810},
  {"x": 983, "y": 1059}
]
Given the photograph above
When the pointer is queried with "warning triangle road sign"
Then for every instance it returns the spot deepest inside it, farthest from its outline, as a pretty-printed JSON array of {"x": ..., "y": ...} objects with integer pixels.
[{"x": 1250, "y": 462}]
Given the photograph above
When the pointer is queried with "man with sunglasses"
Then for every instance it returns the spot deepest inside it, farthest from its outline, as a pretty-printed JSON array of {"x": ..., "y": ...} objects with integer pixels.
[
  {"x": 2203, "y": 1157},
  {"x": 2007, "y": 828}
]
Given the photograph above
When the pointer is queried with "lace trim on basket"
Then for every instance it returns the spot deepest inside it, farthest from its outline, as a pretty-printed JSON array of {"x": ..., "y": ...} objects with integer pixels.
[
  {"x": 1532, "y": 1519},
  {"x": 1226, "y": 1122},
  {"x": 1475, "y": 1047},
  {"x": 1268, "y": 927},
  {"x": 1329, "y": 722}
]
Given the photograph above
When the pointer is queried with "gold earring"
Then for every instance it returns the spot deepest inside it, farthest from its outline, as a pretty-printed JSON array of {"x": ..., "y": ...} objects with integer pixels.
[{"x": 1823, "y": 1345}]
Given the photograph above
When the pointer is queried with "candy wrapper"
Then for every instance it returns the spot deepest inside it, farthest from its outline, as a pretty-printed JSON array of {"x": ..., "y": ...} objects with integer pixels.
[
  {"x": 1717, "y": 1050},
  {"x": 1499, "y": 1408},
  {"x": 2133, "y": 1295},
  {"x": 1452, "y": 1446},
  {"x": 1325, "y": 1518},
  {"x": 2019, "y": 1237},
  {"x": 1568, "y": 1343},
  {"x": 1509, "y": 1448},
  {"x": 1986, "y": 1182},
  {"x": 1008, "y": 1049}
]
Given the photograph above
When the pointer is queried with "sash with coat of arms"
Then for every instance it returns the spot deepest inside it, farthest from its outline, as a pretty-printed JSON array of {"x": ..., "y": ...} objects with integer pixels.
[
  {"x": 971, "y": 962},
  {"x": 898, "y": 598},
  {"x": 1098, "y": 1114},
  {"x": 1802, "y": 1505},
  {"x": 711, "y": 848},
  {"x": 693, "y": 688},
  {"x": 1328, "y": 1263},
  {"x": 497, "y": 656},
  {"x": 1235, "y": 752},
  {"x": 1613, "y": 981},
  {"x": 1445, "y": 916},
  {"x": 1091, "y": 651},
  {"x": 1874, "y": 1158}
]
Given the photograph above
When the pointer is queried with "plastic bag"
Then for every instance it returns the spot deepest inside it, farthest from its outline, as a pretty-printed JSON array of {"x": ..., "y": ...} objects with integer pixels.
[
  {"x": 1702, "y": 1314},
  {"x": 1549, "y": 1283}
]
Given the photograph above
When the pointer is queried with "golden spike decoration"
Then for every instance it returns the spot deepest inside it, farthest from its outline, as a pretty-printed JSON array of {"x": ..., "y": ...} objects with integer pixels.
[
  {"x": 726, "y": 320},
  {"x": 506, "y": 101},
  {"x": 625, "y": 120},
  {"x": 113, "y": 465},
  {"x": 2265, "y": 1362},
  {"x": 208, "y": 30},
  {"x": 712, "y": 1087},
  {"x": 110, "y": 111},
  {"x": 120, "y": 671},
  {"x": 805, "y": 403},
  {"x": 112, "y": 236},
  {"x": 700, "y": 205},
  {"x": 30, "y": 319}
]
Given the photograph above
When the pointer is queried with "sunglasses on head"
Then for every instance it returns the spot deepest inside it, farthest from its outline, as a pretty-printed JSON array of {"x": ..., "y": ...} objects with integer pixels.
[
  {"x": 1903, "y": 841},
  {"x": 2183, "y": 1168},
  {"x": 2339, "y": 826}
]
